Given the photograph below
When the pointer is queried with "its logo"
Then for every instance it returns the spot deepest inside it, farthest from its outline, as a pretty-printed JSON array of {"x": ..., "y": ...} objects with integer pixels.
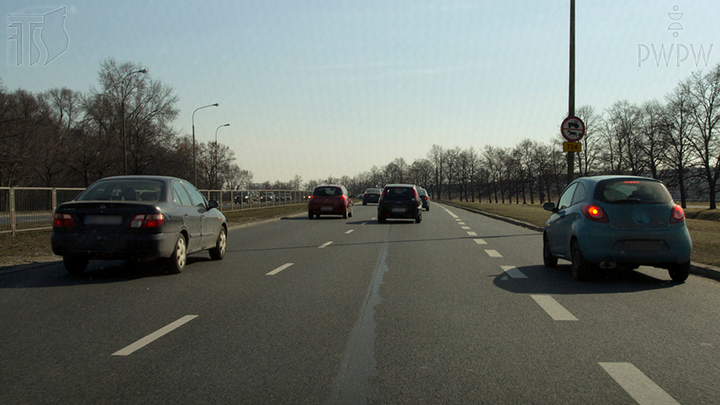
[{"x": 36, "y": 35}]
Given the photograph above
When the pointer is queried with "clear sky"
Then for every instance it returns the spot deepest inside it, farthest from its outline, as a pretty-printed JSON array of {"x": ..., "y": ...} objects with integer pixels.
[{"x": 322, "y": 88}]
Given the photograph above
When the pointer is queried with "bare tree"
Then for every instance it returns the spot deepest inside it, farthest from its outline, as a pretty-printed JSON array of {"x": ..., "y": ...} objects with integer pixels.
[{"x": 676, "y": 128}]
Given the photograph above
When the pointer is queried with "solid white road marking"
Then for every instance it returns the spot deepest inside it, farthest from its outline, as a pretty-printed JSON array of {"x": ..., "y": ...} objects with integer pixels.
[
  {"x": 480, "y": 241},
  {"x": 450, "y": 212},
  {"x": 350, "y": 231},
  {"x": 279, "y": 269},
  {"x": 553, "y": 308},
  {"x": 465, "y": 227},
  {"x": 493, "y": 253},
  {"x": 638, "y": 385},
  {"x": 154, "y": 336},
  {"x": 472, "y": 233},
  {"x": 513, "y": 272},
  {"x": 324, "y": 245}
]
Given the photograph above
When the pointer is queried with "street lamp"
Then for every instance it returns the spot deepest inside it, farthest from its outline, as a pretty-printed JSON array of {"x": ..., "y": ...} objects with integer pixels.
[
  {"x": 193, "y": 131},
  {"x": 122, "y": 113},
  {"x": 216, "y": 148}
]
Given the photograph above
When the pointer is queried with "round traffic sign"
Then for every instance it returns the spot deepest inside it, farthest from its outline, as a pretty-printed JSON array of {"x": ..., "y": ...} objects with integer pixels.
[{"x": 572, "y": 129}]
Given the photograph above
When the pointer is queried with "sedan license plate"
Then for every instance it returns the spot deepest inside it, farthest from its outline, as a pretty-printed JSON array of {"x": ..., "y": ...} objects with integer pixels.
[
  {"x": 398, "y": 210},
  {"x": 326, "y": 208},
  {"x": 103, "y": 220}
]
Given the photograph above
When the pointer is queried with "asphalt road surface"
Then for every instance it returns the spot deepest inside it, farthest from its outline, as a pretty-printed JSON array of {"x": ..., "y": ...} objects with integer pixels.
[{"x": 455, "y": 310}]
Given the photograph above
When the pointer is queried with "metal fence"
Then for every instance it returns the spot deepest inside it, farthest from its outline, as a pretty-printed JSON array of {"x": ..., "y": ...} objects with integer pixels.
[{"x": 31, "y": 208}]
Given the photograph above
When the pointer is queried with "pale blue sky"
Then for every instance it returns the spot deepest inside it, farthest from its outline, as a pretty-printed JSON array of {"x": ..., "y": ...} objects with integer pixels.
[{"x": 333, "y": 87}]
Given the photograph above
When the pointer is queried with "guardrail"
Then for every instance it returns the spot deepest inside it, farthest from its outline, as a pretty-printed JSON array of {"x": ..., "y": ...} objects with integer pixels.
[{"x": 31, "y": 208}]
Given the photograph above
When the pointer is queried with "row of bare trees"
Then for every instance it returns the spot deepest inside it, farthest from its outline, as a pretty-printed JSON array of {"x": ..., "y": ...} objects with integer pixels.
[
  {"x": 676, "y": 140},
  {"x": 62, "y": 138}
]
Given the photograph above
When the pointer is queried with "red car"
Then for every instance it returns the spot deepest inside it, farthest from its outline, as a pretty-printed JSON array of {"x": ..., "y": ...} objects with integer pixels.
[{"x": 330, "y": 199}]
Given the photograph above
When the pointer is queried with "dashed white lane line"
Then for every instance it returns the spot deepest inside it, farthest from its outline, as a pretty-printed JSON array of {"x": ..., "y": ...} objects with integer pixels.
[
  {"x": 154, "y": 336},
  {"x": 350, "y": 231},
  {"x": 324, "y": 245},
  {"x": 279, "y": 269},
  {"x": 480, "y": 241},
  {"x": 513, "y": 272},
  {"x": 471, "y": 233},
  {"x": 458, "y": 219},
  {"x": 493, "y": 253},
  {"x": 638, "y": 385},
  {"x": 553, "y": 308},
  {"x": 465, "y": 227},
  {"x": 461, "y": 223},
  {"x": 363, "y": 223}
]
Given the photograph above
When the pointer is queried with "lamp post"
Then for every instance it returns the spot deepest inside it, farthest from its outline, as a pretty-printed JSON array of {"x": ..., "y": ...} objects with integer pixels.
[
  {"x": 193, "y": 133},
  {"x": 122, "y": 113},
  {"x": 216, "y": 148}
]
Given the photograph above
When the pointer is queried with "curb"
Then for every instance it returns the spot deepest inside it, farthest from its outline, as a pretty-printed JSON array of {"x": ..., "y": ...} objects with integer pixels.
[{"x": 698, "y": 269}]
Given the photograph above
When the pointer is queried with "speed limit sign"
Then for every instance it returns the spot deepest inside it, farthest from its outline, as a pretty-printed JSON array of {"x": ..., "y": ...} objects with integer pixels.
[{"x": 572, "y": 129}]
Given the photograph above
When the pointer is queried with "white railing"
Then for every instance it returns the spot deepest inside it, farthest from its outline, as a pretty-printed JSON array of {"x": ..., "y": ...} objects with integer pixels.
[{"x": 31, "y": 208}]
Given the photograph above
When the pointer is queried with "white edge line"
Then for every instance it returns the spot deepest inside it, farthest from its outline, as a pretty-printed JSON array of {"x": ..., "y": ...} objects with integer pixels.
[
  {"x": 279, "y": 269},
  {"x": 154, "y": 336},
  {"x": 638, "y": 385}
]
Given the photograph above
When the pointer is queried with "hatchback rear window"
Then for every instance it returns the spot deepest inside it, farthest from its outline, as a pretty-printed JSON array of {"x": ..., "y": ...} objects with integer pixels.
[
  {"x": 398, "y": 193},
  {"x": 124, "y": 190},
  {"x": 373, "y": 191},
  {"x": 627, "y": 191},
  {"x": 327, "y": 192}
]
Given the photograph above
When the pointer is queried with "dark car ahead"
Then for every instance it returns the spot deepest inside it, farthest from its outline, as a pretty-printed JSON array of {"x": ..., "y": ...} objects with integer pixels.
[
  {"x": 399, "y": 201},
  {"x": 371, "y": 195},
  {"x": 606, "y": 222},
  {"x": 425, "y": 198},
  {"x": 137, "y": 218},
  {"x": 330, "y": 199}
]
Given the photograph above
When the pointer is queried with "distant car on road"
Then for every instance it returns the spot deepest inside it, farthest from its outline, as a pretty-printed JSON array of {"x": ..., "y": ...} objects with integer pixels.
[
  {"x": 425, "y": 198},
  {"x": 606, "y": 222},
  {"x": 330, "y": 199},
  {"x": 138, "y": 217},
  {"x": 371, "y": 195},
  {"x": 399, "y": 201}
]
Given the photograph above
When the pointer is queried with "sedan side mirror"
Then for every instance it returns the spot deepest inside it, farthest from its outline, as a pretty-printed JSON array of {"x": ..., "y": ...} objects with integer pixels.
[
  {"x": 549, "y": 206},
  {"x": 212, "y": 204}
]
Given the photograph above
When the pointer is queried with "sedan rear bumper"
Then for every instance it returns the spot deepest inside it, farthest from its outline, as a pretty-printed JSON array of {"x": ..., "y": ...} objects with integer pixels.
[{"x": 114, "y": 246}]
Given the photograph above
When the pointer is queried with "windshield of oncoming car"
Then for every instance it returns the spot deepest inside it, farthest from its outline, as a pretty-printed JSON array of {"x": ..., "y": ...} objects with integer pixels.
[
  {"x": 624, "y": 191},
  {"x": 124, "y": 190},
  {"x": 327, "y": 192}
]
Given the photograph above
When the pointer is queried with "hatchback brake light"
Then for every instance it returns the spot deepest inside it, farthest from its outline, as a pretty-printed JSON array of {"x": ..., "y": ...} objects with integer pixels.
[
  {"x": 147, "y": 221},
  {"x": 677, "y": 215},
  {"x": 63, "y": 221},
  {"x": 595, "y": 213}
]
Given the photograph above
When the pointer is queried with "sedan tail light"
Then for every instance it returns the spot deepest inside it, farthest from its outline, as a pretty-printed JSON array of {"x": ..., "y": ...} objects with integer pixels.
[
  {"x": 595, "y": 213},
  {"x": 147, "y": 221},
  {"x": 63, "y": 221},
  {"x": 677, "y": 215}
]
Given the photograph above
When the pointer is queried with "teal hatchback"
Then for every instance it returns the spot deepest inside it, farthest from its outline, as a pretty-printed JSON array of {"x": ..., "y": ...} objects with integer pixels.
[{"x": 605, "y": 222}]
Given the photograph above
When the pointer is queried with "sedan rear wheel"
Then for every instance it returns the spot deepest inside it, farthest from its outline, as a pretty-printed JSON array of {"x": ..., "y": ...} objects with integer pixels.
[
  {"x": 218, "y": 252},
  {"x": 310, "y": 215},
  {"x": 580, "y": 267},
  {"x": 178, "y": 259},
  {"x": 345, "y": 214},
  {"x": 680, "y": 272},
  {"x": 548, "y": 259},
  {"x": 75, "y": 264}
]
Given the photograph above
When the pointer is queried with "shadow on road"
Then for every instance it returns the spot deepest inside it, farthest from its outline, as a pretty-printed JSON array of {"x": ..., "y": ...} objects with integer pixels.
[{"x": 544, "y": 280}]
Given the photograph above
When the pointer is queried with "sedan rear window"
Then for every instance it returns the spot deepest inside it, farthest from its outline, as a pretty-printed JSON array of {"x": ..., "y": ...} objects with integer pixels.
[
  {"x": 123, "y": 190},
  {"x": 629, "y": 191},
  {"x": 327, "y": 192}
]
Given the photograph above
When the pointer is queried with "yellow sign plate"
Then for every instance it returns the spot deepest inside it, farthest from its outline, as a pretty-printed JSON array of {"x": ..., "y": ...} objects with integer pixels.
[{"x": 572, "y": 147}]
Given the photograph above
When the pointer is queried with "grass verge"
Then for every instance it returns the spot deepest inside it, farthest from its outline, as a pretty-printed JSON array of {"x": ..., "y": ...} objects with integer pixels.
[{"x": 703, "y": 224}]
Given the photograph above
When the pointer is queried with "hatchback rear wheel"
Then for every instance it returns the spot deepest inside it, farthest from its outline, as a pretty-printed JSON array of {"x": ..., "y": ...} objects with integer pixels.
[
  {"x": 581, "y": 268},
  {"x": 680, "y": 272}
]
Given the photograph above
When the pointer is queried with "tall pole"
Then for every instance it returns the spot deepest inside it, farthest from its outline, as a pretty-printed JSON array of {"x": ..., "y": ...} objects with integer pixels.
[
  {"x": 216, "y": 148},
  {"x": 122, "y": 114},
  {"x": 571, "y": 95},
  {"x": 193, "y": 133}
]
